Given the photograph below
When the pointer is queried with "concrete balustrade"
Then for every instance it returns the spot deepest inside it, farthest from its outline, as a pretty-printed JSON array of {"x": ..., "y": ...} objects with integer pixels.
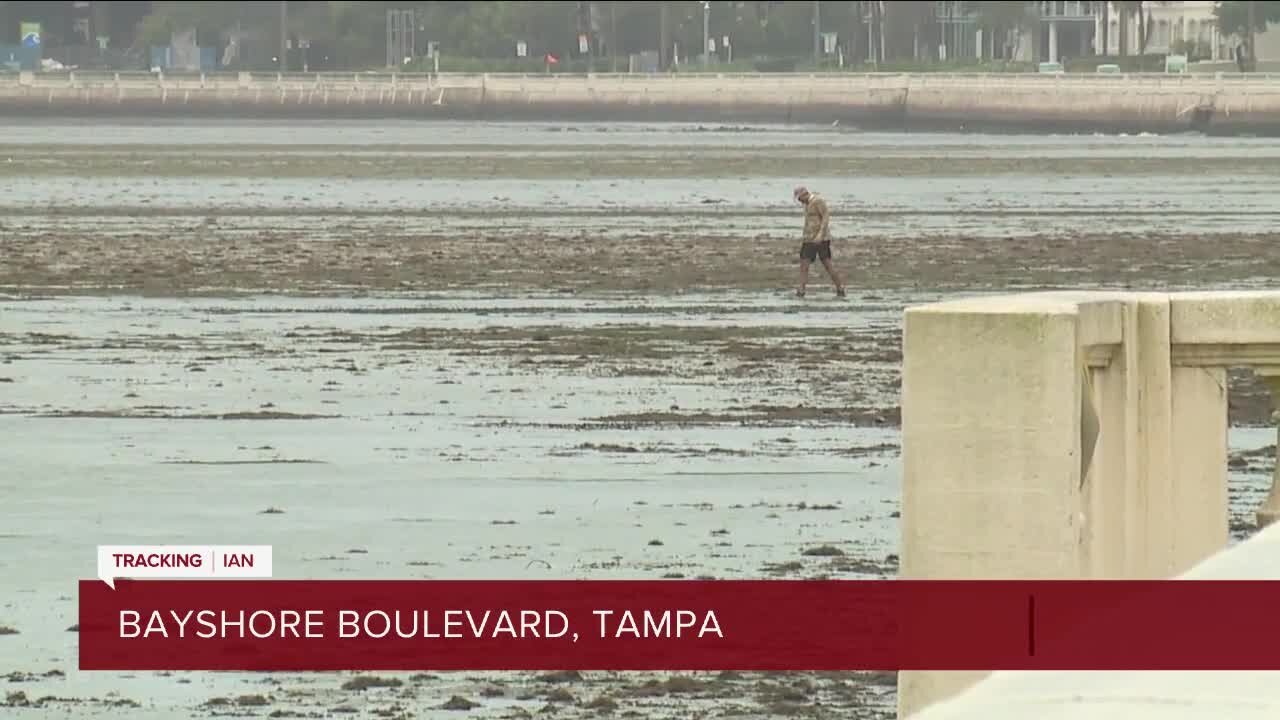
[
  {"x": 1270, "y": 510},
  {"x": 1220, "y": 103},
  {"x": 1070, "y": 435}
]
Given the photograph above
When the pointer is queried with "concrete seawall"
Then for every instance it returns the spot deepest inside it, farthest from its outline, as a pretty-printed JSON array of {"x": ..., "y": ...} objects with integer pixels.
[{"x": 1219, "y": 104}]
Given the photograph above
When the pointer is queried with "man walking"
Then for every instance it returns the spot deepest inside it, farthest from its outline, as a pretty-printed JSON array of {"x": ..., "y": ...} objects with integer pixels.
[{"x": 816, "y": 241}]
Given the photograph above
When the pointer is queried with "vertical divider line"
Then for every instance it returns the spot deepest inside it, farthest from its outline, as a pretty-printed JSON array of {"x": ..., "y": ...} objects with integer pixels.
[{"x": 1031, "y": 625}]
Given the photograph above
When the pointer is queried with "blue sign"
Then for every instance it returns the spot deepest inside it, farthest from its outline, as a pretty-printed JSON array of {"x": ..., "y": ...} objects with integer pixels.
[{"x": 30, "y": 34}]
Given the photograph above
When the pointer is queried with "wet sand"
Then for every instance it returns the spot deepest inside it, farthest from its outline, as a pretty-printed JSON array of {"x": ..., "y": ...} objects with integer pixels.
[
  {"x": 592, "y": 160},
  {"x": 516, "y": 377}
]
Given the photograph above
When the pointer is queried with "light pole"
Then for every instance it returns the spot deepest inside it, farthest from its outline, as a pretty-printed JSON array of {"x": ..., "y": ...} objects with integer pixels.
[
  {"x": 1251, "y": 18},
  {"x": 817, "y": 32},
  {"x": 706, "y": 36},
  {"x": 284, "y": 36}
]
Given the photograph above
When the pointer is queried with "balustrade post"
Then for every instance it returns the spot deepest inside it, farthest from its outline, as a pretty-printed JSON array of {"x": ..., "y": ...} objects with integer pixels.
[{"x": 1270, "y": 510}]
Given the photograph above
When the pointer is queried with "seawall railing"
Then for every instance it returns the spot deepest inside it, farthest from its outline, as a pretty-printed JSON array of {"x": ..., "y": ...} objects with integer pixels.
[
  {"x": 1229, "y": 103},
  {"x": 1073, "y": 435},
  {"x": 176, "y": 79}
]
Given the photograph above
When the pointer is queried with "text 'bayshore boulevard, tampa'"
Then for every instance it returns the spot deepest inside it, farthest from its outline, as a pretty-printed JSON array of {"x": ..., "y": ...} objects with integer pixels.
[
  {"x": 304, "y": 625},
  {"x": 424, "y": 624}
]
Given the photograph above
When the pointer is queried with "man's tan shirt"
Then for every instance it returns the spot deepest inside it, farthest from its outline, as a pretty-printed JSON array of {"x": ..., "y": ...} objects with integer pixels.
[{"x": 816, "y": 220}]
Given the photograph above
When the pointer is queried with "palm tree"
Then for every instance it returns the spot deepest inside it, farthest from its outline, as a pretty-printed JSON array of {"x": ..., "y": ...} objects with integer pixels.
[
  {"x": 1104, "y": 47},
  {"x": 877, "y": 19},
  {"x": 1124, "y": 15},
  {"x": 1245, "y": 18}
]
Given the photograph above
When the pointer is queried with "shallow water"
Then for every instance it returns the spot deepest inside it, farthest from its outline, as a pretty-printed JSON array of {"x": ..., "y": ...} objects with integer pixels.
[
  {"x": 417, "y": 477},
  {"x": 413, "y": 470},
  {"x": 1058, "y": 198},
  {"x": 355, "y": 133},
  {"x": 986, "y": 196},
  {"x": 423, "y": 455},
  {"x": 604, "y": 209}
]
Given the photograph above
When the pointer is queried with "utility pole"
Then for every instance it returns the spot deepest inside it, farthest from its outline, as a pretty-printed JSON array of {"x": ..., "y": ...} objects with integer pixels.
[
  {"x": 706, "y": 37},
  {"x": 663, "y": 49},
  {"x": 613, "y": 35},
  {"x": 284, "y": 36},
  {"x": 1105, "y": 47},
  {"x": 1252, "y": 18},
  {"x": 871, "y": 27},
  {"x": 586, "y": 34},
  {"x": 817, "y": 32},
  {"x": 880, "y": 52},
  {"x": 855, "y": 23}
]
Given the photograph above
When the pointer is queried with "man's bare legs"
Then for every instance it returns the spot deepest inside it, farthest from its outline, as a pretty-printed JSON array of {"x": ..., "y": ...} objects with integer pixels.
[
  {"x": 831, "y": 271},
  {"x": 835, "y": 276}
]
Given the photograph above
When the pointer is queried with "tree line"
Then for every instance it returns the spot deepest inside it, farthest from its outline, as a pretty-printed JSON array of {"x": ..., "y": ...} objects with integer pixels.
[{"x": 353, "y": 34}]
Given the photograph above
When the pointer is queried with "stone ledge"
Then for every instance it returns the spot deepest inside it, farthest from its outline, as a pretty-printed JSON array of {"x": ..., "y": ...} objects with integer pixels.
[
  {"x": 1224, "y": 318},
  {"x": 1253, "y": 355}
]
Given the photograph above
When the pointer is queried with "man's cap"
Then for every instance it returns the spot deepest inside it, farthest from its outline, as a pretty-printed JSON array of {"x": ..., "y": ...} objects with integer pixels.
[{"x": 799, "y": 191}]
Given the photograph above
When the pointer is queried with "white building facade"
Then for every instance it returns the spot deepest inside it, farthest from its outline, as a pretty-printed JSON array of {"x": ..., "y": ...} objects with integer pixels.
[
  {"x": 1176, "y": 27},
  {"x": 1060, "y": 29}
]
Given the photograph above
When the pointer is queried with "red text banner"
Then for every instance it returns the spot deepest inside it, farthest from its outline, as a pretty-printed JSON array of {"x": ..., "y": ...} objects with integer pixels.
[{"x": 297, "y": 625}]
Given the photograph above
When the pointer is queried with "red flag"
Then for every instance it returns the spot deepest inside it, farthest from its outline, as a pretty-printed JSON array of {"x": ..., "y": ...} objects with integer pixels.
[{"x": 552, "y": 59}]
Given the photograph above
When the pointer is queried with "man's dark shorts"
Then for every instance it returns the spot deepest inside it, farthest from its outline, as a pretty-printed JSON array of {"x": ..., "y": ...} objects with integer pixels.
[{"x": 811, "y": 251}]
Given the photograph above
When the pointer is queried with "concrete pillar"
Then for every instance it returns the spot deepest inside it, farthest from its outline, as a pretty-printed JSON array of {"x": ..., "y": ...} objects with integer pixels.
[
  {"x": 1198, "y": 492},
  {"x": 1105, "y": 495},
  {"x": 1148, "y": 488},
  {"x": 1270, "y": 510},
  {"x": 993, "y": 392},
  {"x": 1053, "y": 41},
  {"x": 1068, "y": 435}
]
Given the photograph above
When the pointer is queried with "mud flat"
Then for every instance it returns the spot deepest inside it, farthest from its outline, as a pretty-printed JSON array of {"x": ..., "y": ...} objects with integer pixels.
[
  {"x": 394, "y": 353},
  {"x": 455, "y": 436},
  {"x": 1231, "y": 105}
]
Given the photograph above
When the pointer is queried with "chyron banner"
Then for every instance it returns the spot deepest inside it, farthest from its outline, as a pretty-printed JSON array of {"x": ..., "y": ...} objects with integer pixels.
[{"x": 299, "y": 625}]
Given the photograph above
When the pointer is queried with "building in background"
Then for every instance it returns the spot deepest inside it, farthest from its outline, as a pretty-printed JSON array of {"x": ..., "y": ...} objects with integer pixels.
[
  {"x": 1067, "y": 29},
  {"x": 959, "y": 36},
  {"x": 1269, "y": 44},
  {"x": 1188, "y": 28},
  {"x": 1054, "y": 30},
  {"x": 1018, "y": 31}
]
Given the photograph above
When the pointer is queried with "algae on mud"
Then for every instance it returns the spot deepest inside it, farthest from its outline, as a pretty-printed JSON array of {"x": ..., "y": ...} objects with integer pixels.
[
  {"x": 431, "y": 417},
  {"x": 582, "y": 162},
  {"x": 429, "y": 372},
  {"x": 168, "y": 258}
]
